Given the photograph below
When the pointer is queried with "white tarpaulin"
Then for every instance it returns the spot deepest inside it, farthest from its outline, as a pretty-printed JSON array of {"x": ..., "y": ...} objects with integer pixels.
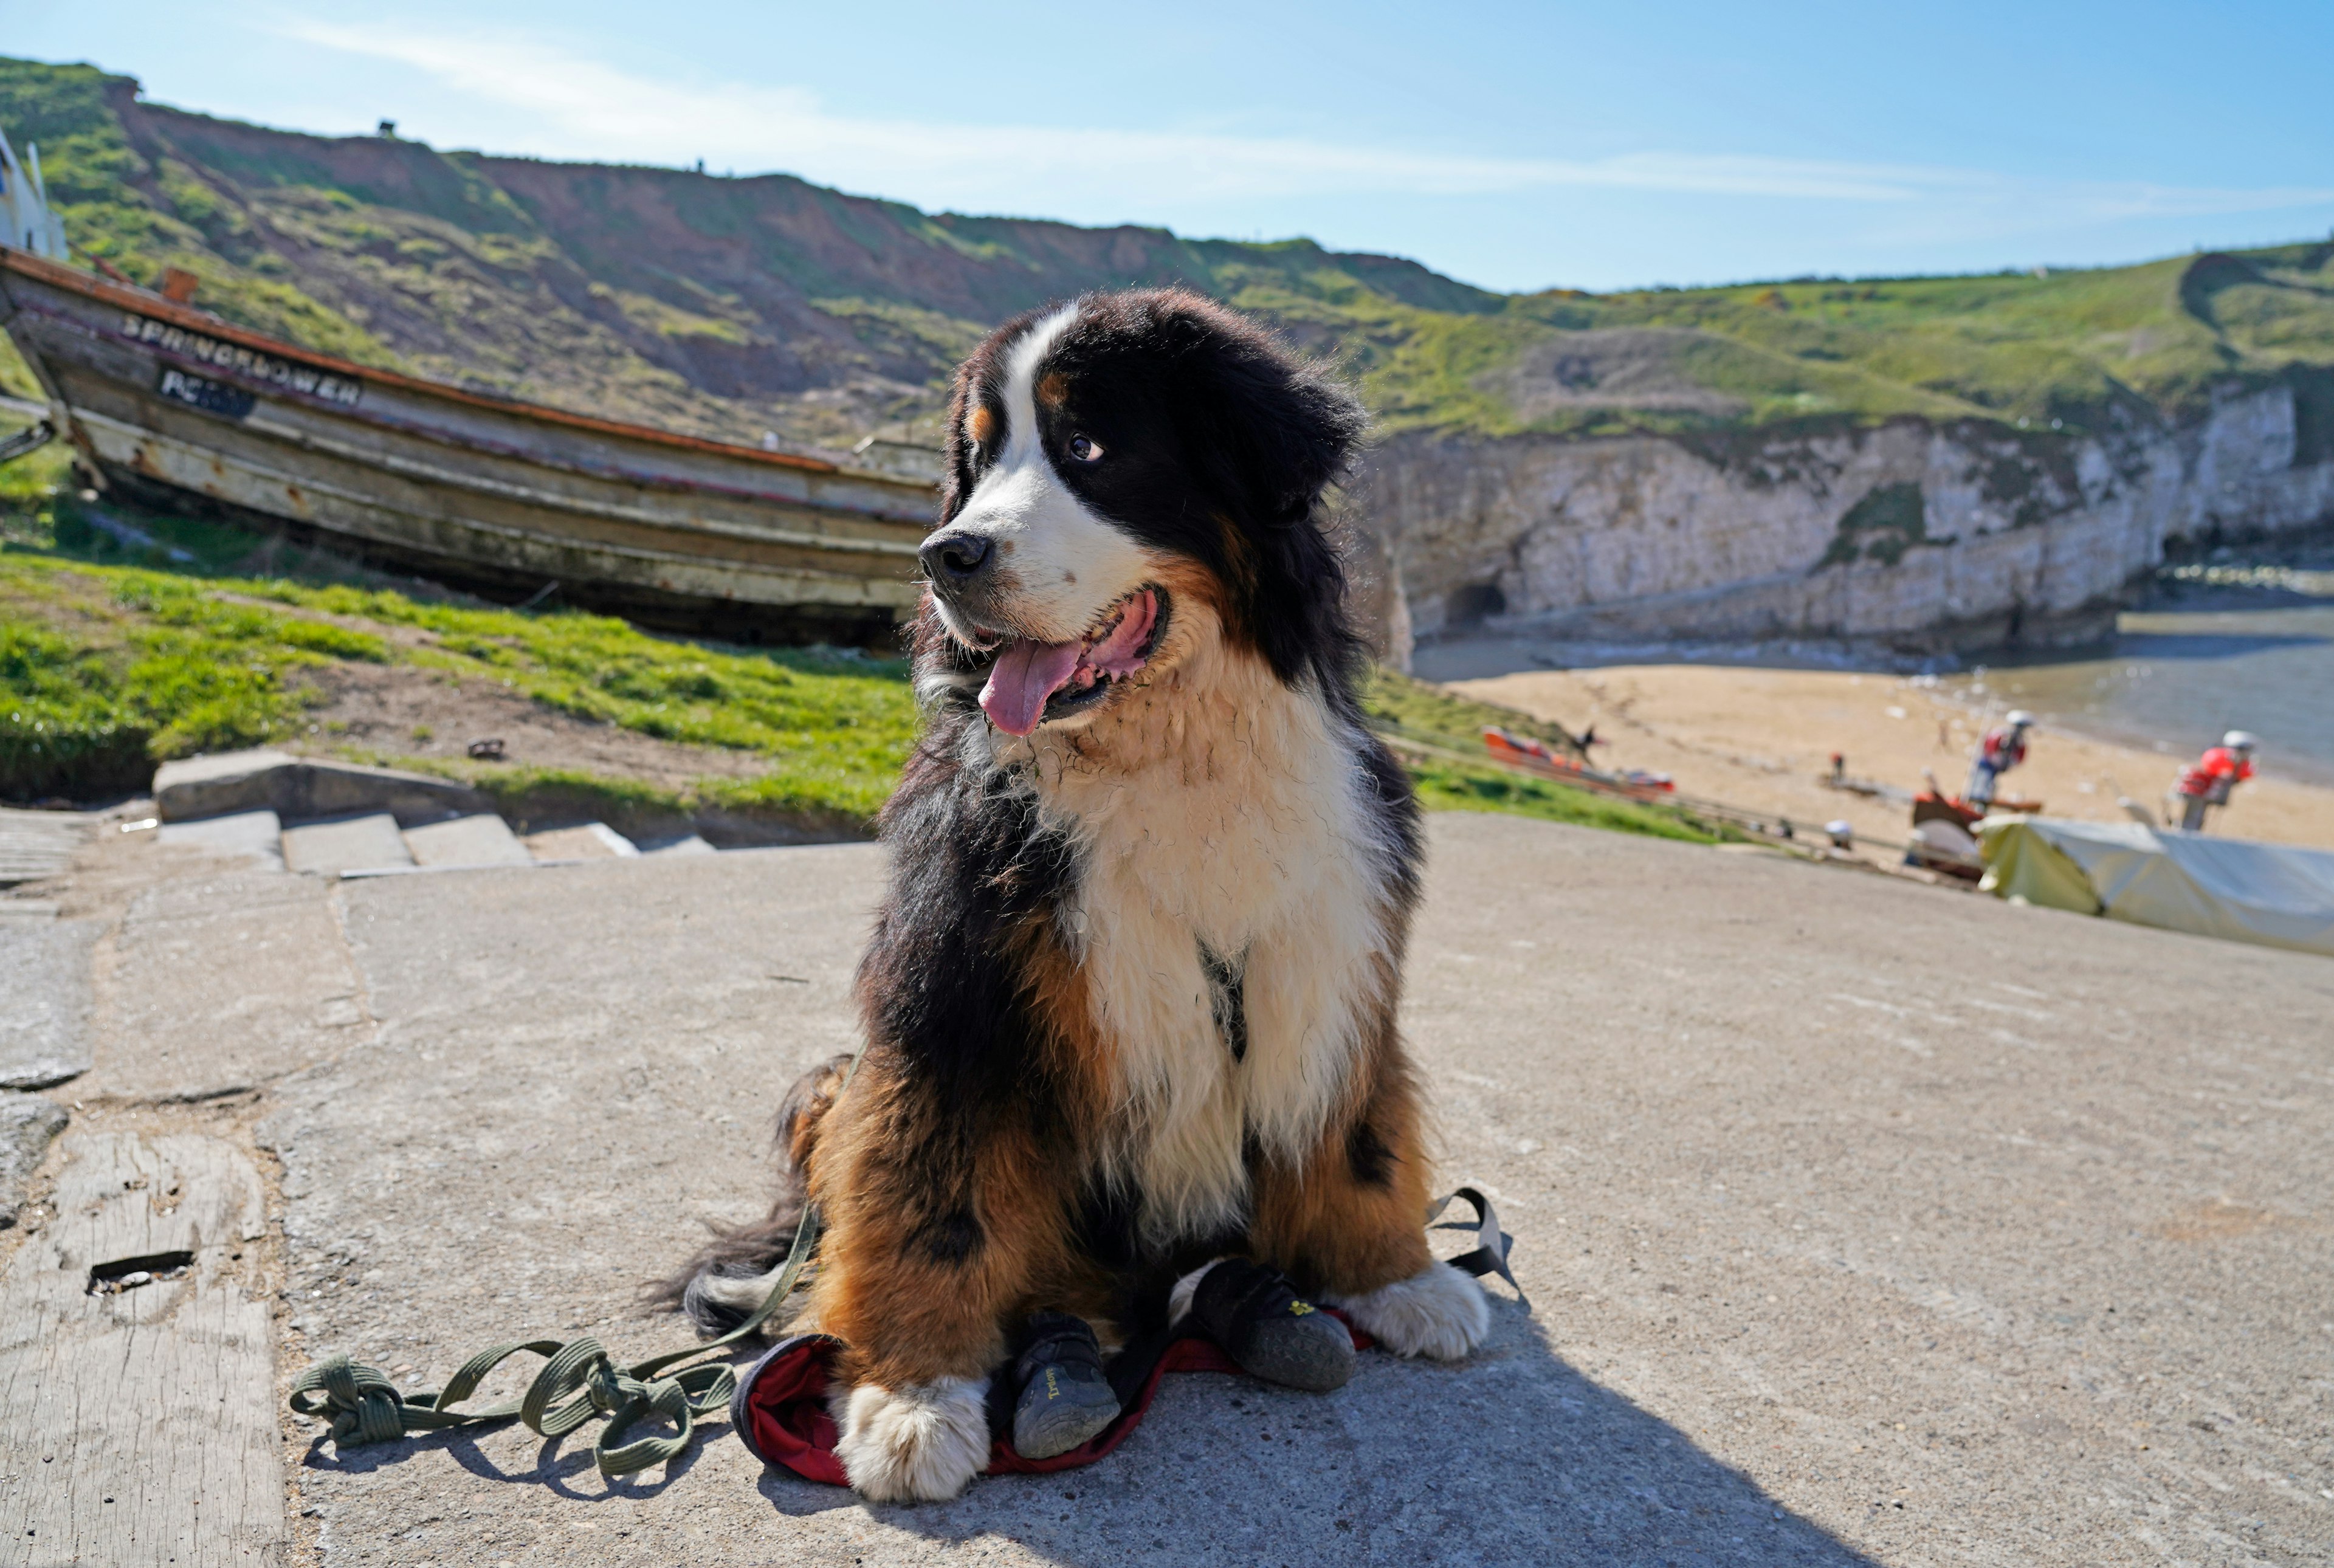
[{"x": 2281, "y": 895}]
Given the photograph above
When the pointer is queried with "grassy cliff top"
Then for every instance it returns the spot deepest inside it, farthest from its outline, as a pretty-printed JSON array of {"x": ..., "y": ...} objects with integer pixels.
[{"x": 730, "y": 306}]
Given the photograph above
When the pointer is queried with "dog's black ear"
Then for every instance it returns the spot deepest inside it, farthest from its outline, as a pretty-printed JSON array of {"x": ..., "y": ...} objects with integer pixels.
[
  {"x": 1279, "y": 428},
  {"x": 1268, "y": 432}
]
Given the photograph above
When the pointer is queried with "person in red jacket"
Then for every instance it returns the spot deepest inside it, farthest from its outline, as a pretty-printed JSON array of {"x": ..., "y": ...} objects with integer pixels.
[
  {"x": 2003, "y": 748},
  {"x": 2215, "y": 773}
]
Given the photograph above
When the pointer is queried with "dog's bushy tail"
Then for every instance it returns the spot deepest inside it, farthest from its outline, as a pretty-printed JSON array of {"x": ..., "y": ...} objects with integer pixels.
[{"x": 729, "y": 1277}]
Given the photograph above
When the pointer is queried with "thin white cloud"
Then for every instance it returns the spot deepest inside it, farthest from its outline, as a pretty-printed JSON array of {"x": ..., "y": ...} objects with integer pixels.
[{"x": 589, "y": 107}]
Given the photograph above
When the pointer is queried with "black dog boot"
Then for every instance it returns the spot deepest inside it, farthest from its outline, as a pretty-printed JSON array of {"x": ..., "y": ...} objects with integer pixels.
[
  {"x": 1252, "y": 1311},
  {"x": 1065, "y": 1399}
]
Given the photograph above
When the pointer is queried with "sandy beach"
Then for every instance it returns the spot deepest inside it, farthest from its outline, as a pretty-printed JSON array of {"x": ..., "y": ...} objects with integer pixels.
[{"x": 1761, "y": 737}]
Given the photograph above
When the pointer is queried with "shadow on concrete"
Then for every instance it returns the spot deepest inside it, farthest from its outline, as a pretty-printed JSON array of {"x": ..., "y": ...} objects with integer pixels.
[
  {"x": 562, "y": 1465},
  {"x": 1516, "y": 1457}
]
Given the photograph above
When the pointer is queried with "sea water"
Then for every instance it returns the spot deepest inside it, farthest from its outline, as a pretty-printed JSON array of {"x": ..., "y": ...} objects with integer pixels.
[{"x": 2227, "y": 646}]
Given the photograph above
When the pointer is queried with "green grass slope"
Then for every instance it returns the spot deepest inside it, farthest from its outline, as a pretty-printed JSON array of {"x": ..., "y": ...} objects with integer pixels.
[
  {"x": 114, "y": 657},
  {"x": 730, "y": 306}
]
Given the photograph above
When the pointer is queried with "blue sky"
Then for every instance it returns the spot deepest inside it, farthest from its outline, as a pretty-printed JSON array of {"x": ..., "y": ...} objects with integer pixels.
[{"x": 1514, "y": 146}]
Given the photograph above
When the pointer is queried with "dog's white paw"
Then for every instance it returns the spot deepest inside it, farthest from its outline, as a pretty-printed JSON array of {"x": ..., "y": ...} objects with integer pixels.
[
  {"x": 914, "y": 1445},
  {"x": 1440, "y": 1313}
]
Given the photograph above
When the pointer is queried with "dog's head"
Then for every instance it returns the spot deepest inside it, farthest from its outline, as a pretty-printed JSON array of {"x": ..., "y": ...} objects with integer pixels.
[{"x": 1129, "y": 475}]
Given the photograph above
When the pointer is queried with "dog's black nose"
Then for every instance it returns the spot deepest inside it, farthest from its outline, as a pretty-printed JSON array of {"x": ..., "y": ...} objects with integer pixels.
[{"x": 953, "y": 557}]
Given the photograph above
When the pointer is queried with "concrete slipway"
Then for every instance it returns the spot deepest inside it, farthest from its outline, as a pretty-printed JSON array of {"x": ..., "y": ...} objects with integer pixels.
[{"x": 1863, "y": 1224}]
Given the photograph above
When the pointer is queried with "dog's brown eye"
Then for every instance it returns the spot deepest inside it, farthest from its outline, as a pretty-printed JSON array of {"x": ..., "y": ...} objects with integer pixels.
[{"x": 1084, "y": 448}]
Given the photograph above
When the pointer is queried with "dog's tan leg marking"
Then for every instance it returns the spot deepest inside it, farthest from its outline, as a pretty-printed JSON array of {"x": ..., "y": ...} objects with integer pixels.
[
  {"x": 936, "y": 1237},
  {"x": 1350, "y": 1225}
]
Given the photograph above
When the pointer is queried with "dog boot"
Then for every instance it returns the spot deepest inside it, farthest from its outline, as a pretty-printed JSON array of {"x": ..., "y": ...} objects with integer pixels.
[
  {"x": 1252, "y": 1311},
  {"x": 1065, "y": 1399}
]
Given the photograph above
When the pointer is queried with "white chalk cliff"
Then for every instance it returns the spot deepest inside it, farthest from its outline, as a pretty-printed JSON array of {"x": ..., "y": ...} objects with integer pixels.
[{"x": 1918, "y": 535}]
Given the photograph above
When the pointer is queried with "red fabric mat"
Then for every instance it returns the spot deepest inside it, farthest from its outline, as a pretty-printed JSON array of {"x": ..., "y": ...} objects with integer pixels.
[{"x": 780, "y": 1409}]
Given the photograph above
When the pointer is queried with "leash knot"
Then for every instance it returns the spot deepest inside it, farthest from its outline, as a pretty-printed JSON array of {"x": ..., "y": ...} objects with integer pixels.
[{"x": 364, "y": 1404}]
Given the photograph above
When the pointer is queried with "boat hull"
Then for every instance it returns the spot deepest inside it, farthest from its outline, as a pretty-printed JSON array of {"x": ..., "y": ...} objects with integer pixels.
[{"x": 167, "y": 402}]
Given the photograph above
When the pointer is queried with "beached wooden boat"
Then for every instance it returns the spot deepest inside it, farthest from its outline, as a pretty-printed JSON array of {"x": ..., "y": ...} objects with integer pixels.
[{"x": 158, "y": 397}]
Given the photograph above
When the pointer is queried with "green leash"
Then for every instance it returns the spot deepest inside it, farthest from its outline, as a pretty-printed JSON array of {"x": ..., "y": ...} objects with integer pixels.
[{"x": 579, "y": 1379}]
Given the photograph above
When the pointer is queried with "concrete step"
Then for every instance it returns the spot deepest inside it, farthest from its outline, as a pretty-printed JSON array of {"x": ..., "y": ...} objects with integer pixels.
[
  {"x": 255, "y": 836},
  {"x": 337, "y": 844},
  {"x": 330, "y": 818},
  {"x": 46, "y": 1000},
  {"x": 481, "y": 839},
  {"x": 686, "y": 844},
  {"x": 300, "y": 787},
  {"x": 591, "y": 841}
]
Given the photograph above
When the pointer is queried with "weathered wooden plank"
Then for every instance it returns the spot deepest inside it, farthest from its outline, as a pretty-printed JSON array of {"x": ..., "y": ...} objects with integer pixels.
[{"x": 138, "y": 1424}]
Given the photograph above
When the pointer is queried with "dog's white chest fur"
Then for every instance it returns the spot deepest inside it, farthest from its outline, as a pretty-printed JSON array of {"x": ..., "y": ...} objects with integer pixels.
[{"x": 1240, "y": 825}]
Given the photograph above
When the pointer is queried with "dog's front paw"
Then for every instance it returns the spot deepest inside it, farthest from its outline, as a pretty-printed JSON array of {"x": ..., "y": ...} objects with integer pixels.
[
  {"x": 1440, "y": 1313},
  {"x": 914, "y": 1445}
]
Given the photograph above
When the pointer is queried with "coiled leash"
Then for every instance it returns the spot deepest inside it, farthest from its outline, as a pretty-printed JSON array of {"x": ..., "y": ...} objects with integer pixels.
[{"x": 579, "y": 1381}]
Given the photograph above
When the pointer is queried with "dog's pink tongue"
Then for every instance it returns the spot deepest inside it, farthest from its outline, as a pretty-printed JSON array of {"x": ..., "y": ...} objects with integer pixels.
[{"x": 1024, "y": 675}]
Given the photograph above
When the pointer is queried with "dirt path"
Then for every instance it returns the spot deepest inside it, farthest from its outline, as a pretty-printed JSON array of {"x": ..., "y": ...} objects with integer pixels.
[
  {"x": 410, "y": 710},
  {"x": 1760, "y": 738},
  {"x": 405, "y": 710}
]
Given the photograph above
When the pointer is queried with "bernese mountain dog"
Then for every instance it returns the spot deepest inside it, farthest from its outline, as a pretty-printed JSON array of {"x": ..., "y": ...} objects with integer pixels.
[{"x": 1130, "y": 1003}]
